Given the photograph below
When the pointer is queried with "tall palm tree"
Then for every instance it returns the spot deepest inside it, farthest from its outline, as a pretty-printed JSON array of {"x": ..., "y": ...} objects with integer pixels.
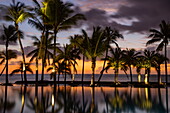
[
  {"x": 116, "y": 61},
  {"x": 20, "y": 69},
  {"x": 95, "y": 47},
  {"x": 9, "y": 35},
  {"x": 61, "y": 16},
  {"x": 17, "y": 12},
  {"x": 110, "y": 35},
  {"x": 41, "y": 23},
  {"x": 38, "y": 52},
  {"x": 162, "y": 36},
  {"x": 7, "y": 56},
  {"x": 131, "y": 56}
]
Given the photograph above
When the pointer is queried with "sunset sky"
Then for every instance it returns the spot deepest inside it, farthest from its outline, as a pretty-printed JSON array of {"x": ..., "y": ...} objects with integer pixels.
[{"x": 133, "y": 18}]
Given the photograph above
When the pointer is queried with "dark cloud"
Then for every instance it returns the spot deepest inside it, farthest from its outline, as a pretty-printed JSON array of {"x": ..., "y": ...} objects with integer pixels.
[{"x": 149, "y": 13}]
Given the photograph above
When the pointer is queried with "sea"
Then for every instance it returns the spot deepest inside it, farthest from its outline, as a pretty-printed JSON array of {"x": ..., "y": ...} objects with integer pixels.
[{"x": 87, "y": 77}]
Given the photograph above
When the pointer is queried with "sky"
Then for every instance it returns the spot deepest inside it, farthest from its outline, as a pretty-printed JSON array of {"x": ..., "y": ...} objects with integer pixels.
[{"x": 133, "y": 18}]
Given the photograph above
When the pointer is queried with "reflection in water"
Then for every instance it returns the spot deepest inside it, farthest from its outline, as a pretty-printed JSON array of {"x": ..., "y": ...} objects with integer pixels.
[{"x": 66, "y": 99}]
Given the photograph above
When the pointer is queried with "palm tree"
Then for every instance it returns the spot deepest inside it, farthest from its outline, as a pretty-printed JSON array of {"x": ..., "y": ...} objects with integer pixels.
[
  {"x": 68, "y": 56},
  {"x": 41, "y": 23},
  {"x": 79, "y": 42},
  {"x": 162, "y": 35},
  {"x": 38, "y": 52},
  {"x": 20, "y": 69},
  {"x": 17, "y": 13},
  {"x": 7, "y": 56},
  {"x": 111, "y": 35},
  {"x": 60, "y": 69},
  {"x": 131, "y": 56},
  {"x": 9, "y": 35},
  {"x": 61, "y": 16},
  {"x": 95, "y": 47},
  {"x": 74, "y": 41},
  {"x": 159, "y": 59},
  {"x": 116, "y": 61},
  {"x": 149, "y": 60}
]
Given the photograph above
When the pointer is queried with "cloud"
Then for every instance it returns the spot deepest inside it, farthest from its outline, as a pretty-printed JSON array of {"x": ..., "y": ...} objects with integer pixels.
[
  {"x": 130, "y": 15},
  {"x": 149, "y": 14}
]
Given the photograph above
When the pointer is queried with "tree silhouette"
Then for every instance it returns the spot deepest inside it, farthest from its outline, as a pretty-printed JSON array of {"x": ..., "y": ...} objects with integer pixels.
[{"x": 162, "y": 36}]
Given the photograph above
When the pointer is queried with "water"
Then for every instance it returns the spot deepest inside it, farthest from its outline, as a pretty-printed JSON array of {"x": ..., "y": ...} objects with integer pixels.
[
  {"x": 87, "y": 77},
  {"x": 66, "y": 99}
]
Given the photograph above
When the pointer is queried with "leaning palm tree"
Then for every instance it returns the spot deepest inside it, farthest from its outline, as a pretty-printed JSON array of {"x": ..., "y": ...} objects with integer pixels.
[
  {"x": 20, "y": 69},
  {"x": 110, "y": 35},
  {"x": 17, "y": 12},
  {"x": 116, "y": 62},
  {"x": 162, "y": 36},
  {"x": 131, "y": 56},
  {"x": 95, "y": 47},
  {"x": 61, "y": 16},
  {"x": 9, "y": 35}
]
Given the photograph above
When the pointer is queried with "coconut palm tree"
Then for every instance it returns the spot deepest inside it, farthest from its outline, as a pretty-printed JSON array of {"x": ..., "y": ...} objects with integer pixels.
[
  {"x": 159, "y": 59},
  {"x": 61, "y": 16},
  {"x": 149, "y": 60},
  {"x": 38, "y": 52},
  {"x": 9, "y": 35},
  {"x": 110, "y": 35},
  {"x": 68, "y": 56},
  {"x": 75, "y": 41},
  {"x": 95, "y": 47},
  {"x": 131, "y": 56},
  {"x": 7, "y": 56},
  {"x": 162, "y": 36},
  {"x": 60, "y": 69},
  {"x": 116, "y": 61},
  {"x": 41, "y": 23},
  {"x": 17, "y": 12},
  {"x": 20, "y": 69}
]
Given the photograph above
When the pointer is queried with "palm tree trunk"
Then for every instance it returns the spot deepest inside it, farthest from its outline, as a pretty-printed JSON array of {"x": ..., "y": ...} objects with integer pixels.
[
  {"x": 44, "y": 59},
  {"x": 93, "y": 71},
  {"x": 159, "y": 75},
  {"x": 22, "y": 51},
  {"x": 131, "y": 73},
  {"x": 166, "y": 69},
  {"x": 54, "y": 54},
  {"x": 101, "y": 73},
  {"x": 82, "y": 77},
  {"x": 21, "y": 77},
  {"x": 7, "y": 62},
  {"x": 149, "y": 70},
  {"x": 36, "y": 79},
  {"x": 6, "y": 94}
]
